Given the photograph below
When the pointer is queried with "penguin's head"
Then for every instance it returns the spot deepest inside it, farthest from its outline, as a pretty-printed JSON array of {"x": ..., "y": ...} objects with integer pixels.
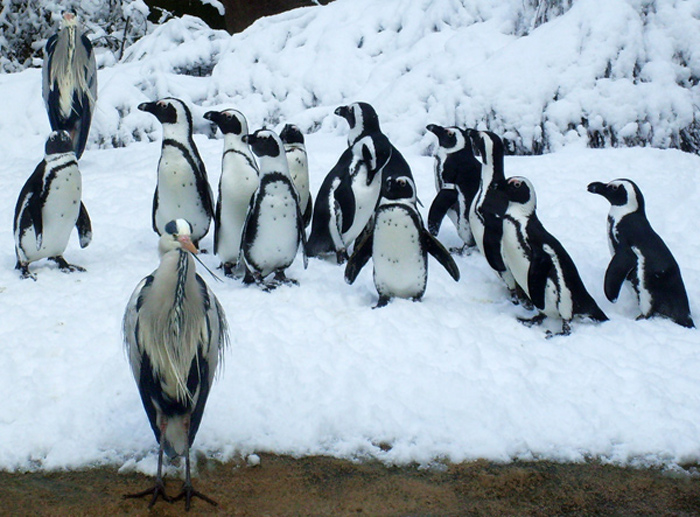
[
  {"x": 291, "y": 134},
  {"x": 169, "y": 111},
  {"x": 230, "y": 121},
  {"x": 177, "y": 235},
  {"x": 518, "y": 190},
  {"x": 58, "y": 142},
  {"x": 362, "y": 119},
  {"x": 265, "y": 143},
  {"x": 620, "y": 192},
  {"x": 399, "y": 188},
  {"x": 452, "y": 138},
  {"x": 487, "y": 146},
  {"x": 373, "y": 153}
]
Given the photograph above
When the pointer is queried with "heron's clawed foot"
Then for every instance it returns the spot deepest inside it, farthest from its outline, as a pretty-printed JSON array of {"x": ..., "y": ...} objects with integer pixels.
[
  {"x": 155, "y": 492},
  {"x": 65, "y": 266},
  {"x": 188, "y": 492}
]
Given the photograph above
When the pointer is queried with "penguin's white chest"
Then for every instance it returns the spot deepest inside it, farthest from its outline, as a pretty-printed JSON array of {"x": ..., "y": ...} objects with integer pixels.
[
  {"x": 59, "y": 215},
  {"x": 476, "y": 225},
  {"x": 178, "y": 196},
  {"x": 514, "y": 255},
  {"x": 239, "y": 182},
  {"x": 277, "y": 237},
  {"x": 366, "y": 197},
  {"x": 400, "y": 265}
]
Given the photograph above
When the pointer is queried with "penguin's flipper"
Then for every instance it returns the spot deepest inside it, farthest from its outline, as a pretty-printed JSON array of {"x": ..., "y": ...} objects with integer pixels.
[
  {"x": 437, "y": 250},
  {"x": 217, "y": 222},
  {"x": 37, "y": 222},
  {"x": 444, "y": 200},
  {"x": 359, "y": 257},
  {"x": 541, "y": 266},
  {"x": 492, "y": 246},
  {"x": 308, "y": 211},
  {"x": 84, "y": 226},
  {"x": 620, "y": 266},
  {"x": 155, "y": 209},
  {"x": 345, "y": 201},
  {"x": 302, "y": 236}
]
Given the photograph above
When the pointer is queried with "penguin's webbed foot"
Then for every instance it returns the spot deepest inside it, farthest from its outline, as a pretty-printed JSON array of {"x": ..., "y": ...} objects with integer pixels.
[
  {"x": 65, "y": 266},
  {"x": 24, "y": 271},
  {"x": 465, "y": 250},
  {"x": 158, "y": 490},
  {"x": 535, "y": 320},
  {"x": 565, "y": 330},
  {"x": 229, "y": 269},
  {"x": 188, "y": 492},
  {"x": 518, "y": 297},
  {"x": 382, "y": 302},
  {"x": 341, "y": 256}
]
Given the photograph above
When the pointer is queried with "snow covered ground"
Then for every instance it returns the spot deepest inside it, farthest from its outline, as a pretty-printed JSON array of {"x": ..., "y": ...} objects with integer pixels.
[{"x": 312, "y": 369}]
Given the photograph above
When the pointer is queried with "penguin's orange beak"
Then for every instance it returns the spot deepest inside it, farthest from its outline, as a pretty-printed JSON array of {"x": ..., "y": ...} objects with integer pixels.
[{"x": 187, "y": 244}]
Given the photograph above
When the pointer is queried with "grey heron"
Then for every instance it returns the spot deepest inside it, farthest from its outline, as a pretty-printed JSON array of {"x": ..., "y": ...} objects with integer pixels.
[
  {"x": 69, "y": 82},
  {"x": 175, "y": 332}
]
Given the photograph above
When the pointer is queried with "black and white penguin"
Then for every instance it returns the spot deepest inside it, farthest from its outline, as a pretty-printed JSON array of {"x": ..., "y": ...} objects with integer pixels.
[
  {"x": 349, "y": 194},
  {"x": 274, "y": 227},
  {"x": 298, "y": 162},
  {"x": 484, "y": 213},
  {"x": 238, "y": 182},
  {"x": 182, "y": 190},
  {"x": 399, "y": 245},
  {"x": 641, "y": 256},
  {"x": 49, "y": 206},
  {"x": 457, "y": 179},
  {"x": 539, "y": 263},
  {"x": 69, "y": 81}
]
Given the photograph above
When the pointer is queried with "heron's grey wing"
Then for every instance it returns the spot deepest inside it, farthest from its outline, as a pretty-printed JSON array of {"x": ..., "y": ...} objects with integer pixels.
[
  {"x": 90, "y": 71},
  {"x": 48, "y": 59},
  {"x": 217, "y": 328},
  {"x": 130, "y": 324}
]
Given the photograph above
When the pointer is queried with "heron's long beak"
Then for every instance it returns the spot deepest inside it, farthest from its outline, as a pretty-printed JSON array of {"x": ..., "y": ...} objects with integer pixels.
[{"x": 187, "y": 244}]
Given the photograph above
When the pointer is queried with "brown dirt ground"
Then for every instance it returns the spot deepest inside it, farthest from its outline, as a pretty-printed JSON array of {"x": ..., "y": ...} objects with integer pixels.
[{"x": 321, "y": 486}]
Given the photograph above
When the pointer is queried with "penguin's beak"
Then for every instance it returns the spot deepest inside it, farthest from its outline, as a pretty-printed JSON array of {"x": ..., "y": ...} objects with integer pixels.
[
  {"x": 597, "y": 188},
  {"x": 500, "y": 185},
  {"x": 147, "y": 106},
  {"x": 342, "y": 111},
  {"x": 212, "y": 115},
  {"x": 248, "y": 139},
  {"x": 433, "y": 128}
]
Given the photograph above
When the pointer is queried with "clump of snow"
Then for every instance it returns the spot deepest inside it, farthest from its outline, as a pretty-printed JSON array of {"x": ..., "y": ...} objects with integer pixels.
[{"x": 312, "y": 369}]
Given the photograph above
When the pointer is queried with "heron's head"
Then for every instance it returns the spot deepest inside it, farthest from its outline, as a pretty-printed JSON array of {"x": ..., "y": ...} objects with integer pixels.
[
  {"x": 70, "y": 18},
  {"x": 177, "y": 235}
]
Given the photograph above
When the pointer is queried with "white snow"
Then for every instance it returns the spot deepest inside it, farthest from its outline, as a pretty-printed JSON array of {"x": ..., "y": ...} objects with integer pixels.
[{"x": 312, "y": 369}]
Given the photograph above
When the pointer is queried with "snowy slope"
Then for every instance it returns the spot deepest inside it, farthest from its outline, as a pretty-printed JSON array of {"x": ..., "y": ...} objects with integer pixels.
[{"x": 311, "y": 369}]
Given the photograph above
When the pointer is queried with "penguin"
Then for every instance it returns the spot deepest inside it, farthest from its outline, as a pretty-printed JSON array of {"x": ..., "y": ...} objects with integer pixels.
[
  {"x": 539, "y": 263},
  {"x": 349, "y": 193},
  {"x": 182, "y": 189},
  {"x": 641, "y": 256},
  {"x": 457, "y": 178},
  {"x": 298, "y": 163},
  {"x": 274, "y": 226},
  {"x": 485, "y": 221},
  {"x": 69, "y": 81},
  {"x": 399, "y": 246},
  {"x": 238, "y": 182},
  {"x": 48, "y": 207}
]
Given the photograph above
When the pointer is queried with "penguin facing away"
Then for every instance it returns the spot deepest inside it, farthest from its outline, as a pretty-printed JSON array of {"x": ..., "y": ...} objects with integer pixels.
[
  {"x": 182, "y": 189},
  {"x": 539, "y": 263},
  {"x": 69, "y": 81},
  {"x": 274, "y": 226},
  {"x": 298, "y": 162},
  {"x": 238, "y": 182},
  {"x": 399, "y": 246},
  {"x": 457, "y": 179},
  {"x": 484, "y": 213},
  {"x": 641, "y": 256},
  {"x": 49, "y": 206}
]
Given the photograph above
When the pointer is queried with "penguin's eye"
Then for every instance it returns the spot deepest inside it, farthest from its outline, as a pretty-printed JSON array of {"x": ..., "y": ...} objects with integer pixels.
[
  {"x": 401, "y": 182},
  {"x": 162, "y": 104},
  {"x": 516, "y": 183},
  {"x": 615, "y": 186}
]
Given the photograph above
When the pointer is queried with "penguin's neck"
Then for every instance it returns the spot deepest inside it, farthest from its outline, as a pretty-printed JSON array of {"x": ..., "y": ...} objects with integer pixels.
[
  {"x": 271, "y": 164},
  {"x": 233, "y": 142},
  {"x": 178, "y": 132}
]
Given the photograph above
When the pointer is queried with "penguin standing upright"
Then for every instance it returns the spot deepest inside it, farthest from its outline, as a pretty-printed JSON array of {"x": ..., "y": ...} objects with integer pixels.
[
  {"x": 69, "y": 81},
  {"x": 641, "y": 256},
  {"x": 48, "y": 207},
  {"x": 484, "y": 219},
  {"x": 274, "y": 227},
  {"x": 457, "y": 178},
  {"x": 182, "y": 189},
  {"x": 399, "y": 245},
  {"x": 539, "y": 263},
  {"x": 348, "y": 195},
  {"x": 238, "y": 182},
  {"x": 298, "y": 163}
]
